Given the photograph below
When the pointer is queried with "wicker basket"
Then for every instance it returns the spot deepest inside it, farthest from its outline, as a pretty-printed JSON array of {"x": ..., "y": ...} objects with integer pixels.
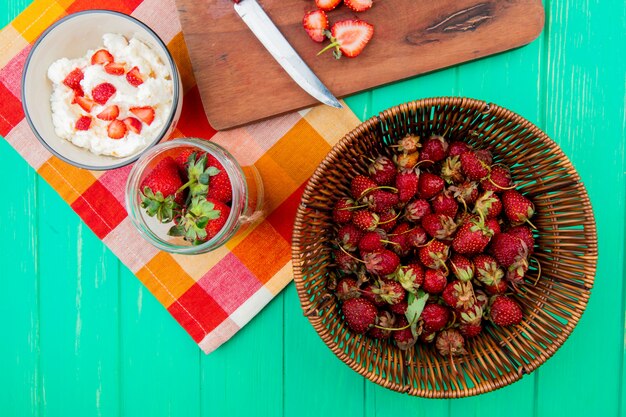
[{"x": 567, "y": 250}]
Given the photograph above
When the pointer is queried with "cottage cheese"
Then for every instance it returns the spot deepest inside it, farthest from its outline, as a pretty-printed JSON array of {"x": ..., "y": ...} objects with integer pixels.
[{"x": 156, "y": 91}]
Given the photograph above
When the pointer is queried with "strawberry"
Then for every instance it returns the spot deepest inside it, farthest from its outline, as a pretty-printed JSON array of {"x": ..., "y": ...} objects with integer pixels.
[
  {"x": 345, "y": 262},
  {"x": 471, "y": 321},
  {"x": 398, "y": 238},
  {"x": 518, "y": 209},
  {"x": 450, "y": 343},
  {"x": 145, "y": 114},
  {"x": 465, "y": 193},
  {"x": 509, "y": 249},
  {"x": 459, "y": 295},
  {"x": 383, "y": 319},
  {"x": 399, "y": 308},
  {"x": 427, "y": 337},
  {"x": 473, "y": 167},
  {"x": 411, "y": 277},
  {"x": 315, "y": 23},
  {"x": 347, "y": 288},
  {"x": 84, "y": 102},
  {"x": 115, "y": 68},
  {"x": 434, "y": 281},
  {"x": 102, "y": 93},
  {"x": 101, "y": 56},
  {"x": 373, "y": 297},
  {"x": 434, "y": 255},
  {"x": 349, "y": 37},
  {"x": 327, "y": 5},
  {"x": 462, "y": 268},
  {"x": 451, "y": 170},
  {"x": 416, "y": 210},
  {"x": 133, "y": 124},
  {"x": 342, "y": 212},
  {"x": 220, "y": 187},
  {"x": 360, "y": 184},
  {"x": 439, "y": 226},
  {"x": 359, "y": 314},
  {"x": 380, "y": 201},
  {"x": 159, "y": 190},
  {"x": 434, "y": 149},
  {"x": 390, "y": 291},
  {"x": 472, "y": 237},
  {"x": 382, "y": 171},
  {"x": 358, "y": 5},
  {"x": 524, "y": 233},
  {"x": 409, "y": 144},
  {"x": 348, "y": 236},
  {"x": 407, "y": 184},
  {"x": 435, "y": 317},
  {"x": 134, "y": 77},
  {"x": 498, "y": 180},
  {"x": 109, "y": 113},
  {"x": 381, "y": 263},
  {"x": 505, "y": 311},
  {"x": 429, "y": 185},
  {"x": 372, "y": 241},
  {"x": 481, "y": 298},
  {"x": 457, "y": 148},
  {"x": 404, "y": 338},
  {"x": 116, "y": 129},
  {"x": 416, "y": 237},
  {"x": 489, "y": 273},
  {"x": 365, "y": 220},
  {"x": 494, "y": 225},
  {"x": 406, "y": 161},
  {"x": 488, "y": 205},
  {"x": 83, "y": 123},
  {"x": 216, "y": 224},
  {"x": 388, "y": 220},
  {"x": 445, "y": 203},
  {"x": 485, "y": 156},
  {"x": 73, "y": 79}
]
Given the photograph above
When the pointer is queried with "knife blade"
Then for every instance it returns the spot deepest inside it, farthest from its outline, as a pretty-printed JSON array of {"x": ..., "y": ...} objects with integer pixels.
[{"x": 268, "y": 34}]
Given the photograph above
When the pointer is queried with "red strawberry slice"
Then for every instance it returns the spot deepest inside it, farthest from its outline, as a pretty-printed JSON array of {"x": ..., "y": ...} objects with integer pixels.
[
  {"x": 115, "y": 68},
  {"x": 133, "y": 125},
  {"x": 134, "y": 77},
  {"x": 101, "y": 56},
  {"x": 359, "y": 5},
  {"x": 145, "y": 114},
  {"x": 83, "y": 123},
  {"x": 315, "y": 23},
  {"x": 103, "y": 92},
  {"x": 109, "y": 113},
  {"x": 349, "y": 37},
  {"x": 73, "y": 79},
  {"x": 84, "y": 102},
  {"x": 116, "y": 129},
  {"x": 327, "y": 5}
]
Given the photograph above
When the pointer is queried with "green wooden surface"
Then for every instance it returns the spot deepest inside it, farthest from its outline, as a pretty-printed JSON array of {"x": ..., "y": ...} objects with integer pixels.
[{"x": 82, "y": 337}]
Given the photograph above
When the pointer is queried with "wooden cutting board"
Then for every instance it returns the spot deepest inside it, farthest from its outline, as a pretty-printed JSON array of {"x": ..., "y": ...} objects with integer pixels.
[{"x": 240, "y": 82}]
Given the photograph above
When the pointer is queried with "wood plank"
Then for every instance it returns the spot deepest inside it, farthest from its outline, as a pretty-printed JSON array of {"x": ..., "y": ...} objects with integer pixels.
[{"x": 240, "y": 82}]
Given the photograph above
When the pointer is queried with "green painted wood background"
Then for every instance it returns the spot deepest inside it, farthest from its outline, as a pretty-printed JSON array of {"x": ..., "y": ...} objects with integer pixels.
[{"x": 82, "y": 337}]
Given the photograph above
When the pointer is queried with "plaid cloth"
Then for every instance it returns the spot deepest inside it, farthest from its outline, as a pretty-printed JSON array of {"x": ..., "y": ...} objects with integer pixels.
[{"x": 212, "y": 295}]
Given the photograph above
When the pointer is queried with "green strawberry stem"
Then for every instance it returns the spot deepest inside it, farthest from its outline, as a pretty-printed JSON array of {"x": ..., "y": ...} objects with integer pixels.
[
  {"x": 391, "y": 329},
  {"x": 426, "y": 244},
  {"x": 391, "y": 220},
  {"x": 531, "y": 225},
  {"x": 380, "y": 187},
  {"x": 353, "y": 207},
  {"x": 512, "y": 187},
  {"x": 538, "y": 270},
  {"x": 349, "y": 254},
  {"x": 333, "y": 44},
  {"x": 399, "y": 234},
  {"x": 390, "y": 242}
]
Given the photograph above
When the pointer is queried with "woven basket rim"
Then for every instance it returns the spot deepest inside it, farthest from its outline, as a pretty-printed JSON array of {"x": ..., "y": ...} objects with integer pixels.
[{"x": 486, "y": 108}]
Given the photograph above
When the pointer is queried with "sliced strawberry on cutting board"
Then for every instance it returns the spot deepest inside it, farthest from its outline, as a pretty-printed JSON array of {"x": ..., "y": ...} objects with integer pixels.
[
  {"x": 145, "y": 114},
  {"x": 327, "y": 5},
  {"x": 102, "y": 93},
  {"x": 349, "y": 37},
  {"x": 115, "y": 68},
  {"x": 132, "y": 124},
  {"x": 359, "y": 5},
  {"x": 73, "y": 79},
  {"x": 116, "y": 129},
  {"x": 84, "y": 102},
  {"x": 83, "y": 123},
  {"x": 315, "y": 23},
  {"x": 101, "y": 56},
  {"x": 109, "y": 113},
  {"x": 134, "y": 77}
]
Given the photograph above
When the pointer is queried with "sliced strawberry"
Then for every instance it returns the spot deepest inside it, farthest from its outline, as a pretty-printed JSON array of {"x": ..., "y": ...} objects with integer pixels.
[
  {"x": 74, "y": 78},
  {"x": 359, "y": 5},
  {"x": 327, "y": 5},
  {"x": 101, "y": 56},
  {"x": 84, "y": 102},
  {"x": 133, "y": 124},
  {"x": 109, "y": 113},
  {"x": 134, "y": 77},
  {"x": 83, "y": 123},
  {"x": 146, "y": 114},
  {"x": 349, "y": 37},
  {"x": 315, "y": 23},
  {"x": 116, "y": 129},
  {"x": 115, "y": 68},
  {"x": 103, "y": 92}
]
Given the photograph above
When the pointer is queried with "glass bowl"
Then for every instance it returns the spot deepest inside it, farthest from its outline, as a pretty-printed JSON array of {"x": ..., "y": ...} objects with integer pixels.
[{"x": 245, "y": 206}]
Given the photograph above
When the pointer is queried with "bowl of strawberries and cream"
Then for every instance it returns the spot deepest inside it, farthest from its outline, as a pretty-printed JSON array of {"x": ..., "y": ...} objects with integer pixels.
[{"x": 100, "y": 99}]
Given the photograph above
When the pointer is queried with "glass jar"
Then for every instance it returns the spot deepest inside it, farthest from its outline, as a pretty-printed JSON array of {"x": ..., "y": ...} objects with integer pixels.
[{"x": 245, "y": 207}]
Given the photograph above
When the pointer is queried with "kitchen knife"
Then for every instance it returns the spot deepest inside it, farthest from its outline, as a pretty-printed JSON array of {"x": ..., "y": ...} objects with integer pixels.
[{"x": 264, "y": 29}]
